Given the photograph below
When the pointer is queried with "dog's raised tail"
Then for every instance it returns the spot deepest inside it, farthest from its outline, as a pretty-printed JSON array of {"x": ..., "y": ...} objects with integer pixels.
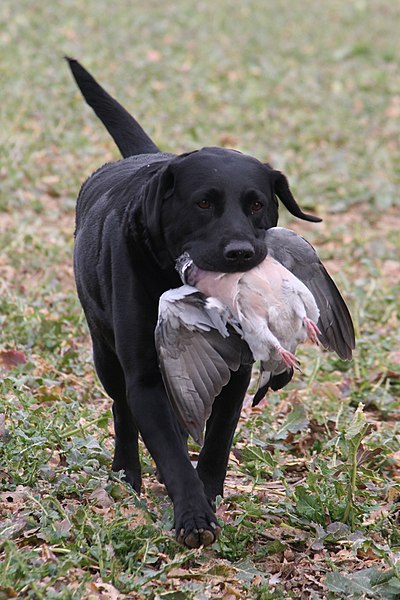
[{"x": 126, "y": 132}]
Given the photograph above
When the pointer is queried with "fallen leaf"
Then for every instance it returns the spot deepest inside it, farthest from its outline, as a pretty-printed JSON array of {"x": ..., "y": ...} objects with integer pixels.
[
  {"x": 3, "y": 431},
  {"x": 63, "y": 527},
  {"x": 47, "y": 554},
  {"x": 232, "y": 593},
  {"x": 274, "y": 579},
  {"x": 8, "y": 592},
  {"x": 101, "y": 498},
  {"x": 101, "y": 589},
  {"x": 9, "y": 359},
  {"x": 17, "y": 497}
]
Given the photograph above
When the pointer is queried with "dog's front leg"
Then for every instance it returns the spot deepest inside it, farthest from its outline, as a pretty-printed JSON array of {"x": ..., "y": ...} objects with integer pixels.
[{"x": 195, "y": 521}]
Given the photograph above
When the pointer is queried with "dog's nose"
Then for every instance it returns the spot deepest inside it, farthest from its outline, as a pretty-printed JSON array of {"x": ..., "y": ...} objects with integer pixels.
[{"x": 239, "y": 251}]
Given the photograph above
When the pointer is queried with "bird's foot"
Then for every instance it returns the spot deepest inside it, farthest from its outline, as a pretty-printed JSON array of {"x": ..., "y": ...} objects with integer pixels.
[
  {"x": 312, "y": 330},
  {"x": 290, "y": 360}
]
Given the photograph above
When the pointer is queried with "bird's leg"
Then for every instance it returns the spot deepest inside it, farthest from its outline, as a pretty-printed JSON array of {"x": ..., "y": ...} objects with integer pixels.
[
  {"x": 312, "y": 330},
  {"x": 270, "y": 346}
]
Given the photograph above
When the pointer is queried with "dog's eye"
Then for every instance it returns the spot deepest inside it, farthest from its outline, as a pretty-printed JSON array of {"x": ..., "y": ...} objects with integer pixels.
[
  {"x": 256, "y": 206},
  {"x": 204, "y": 204}
]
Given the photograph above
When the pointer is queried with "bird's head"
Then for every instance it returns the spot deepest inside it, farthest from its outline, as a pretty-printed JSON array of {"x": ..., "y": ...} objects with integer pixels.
[{"x": 183, "y": 265}]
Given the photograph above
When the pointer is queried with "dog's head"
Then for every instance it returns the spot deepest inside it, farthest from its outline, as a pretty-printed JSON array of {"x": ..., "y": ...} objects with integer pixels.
[{"x": 216, "y": 204}]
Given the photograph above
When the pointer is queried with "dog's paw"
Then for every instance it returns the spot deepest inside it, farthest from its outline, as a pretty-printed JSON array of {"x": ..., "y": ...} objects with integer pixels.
[
  {"x": 200, "y": 528},
  {"x": 199, "y": 537}
]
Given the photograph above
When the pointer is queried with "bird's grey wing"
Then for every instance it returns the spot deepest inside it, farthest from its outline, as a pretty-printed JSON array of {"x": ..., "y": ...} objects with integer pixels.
[
  {"x": 197, "y": 351},
  {"x": 299, "y": 257}
]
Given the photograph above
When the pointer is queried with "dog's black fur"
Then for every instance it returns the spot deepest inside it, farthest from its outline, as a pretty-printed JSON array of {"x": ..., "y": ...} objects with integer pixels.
[{"x": 134, "y": 218}]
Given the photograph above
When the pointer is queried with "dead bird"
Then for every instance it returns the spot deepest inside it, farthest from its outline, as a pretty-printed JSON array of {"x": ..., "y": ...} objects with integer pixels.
[
  {"x": 199, "y": 345},
  {"x": 208, "y": 328}
]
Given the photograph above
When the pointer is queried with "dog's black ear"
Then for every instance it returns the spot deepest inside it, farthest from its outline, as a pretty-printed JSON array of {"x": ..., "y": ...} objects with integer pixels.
[
  {"x": 160, "y": 187},
  {"x": 281, "y": 189}
]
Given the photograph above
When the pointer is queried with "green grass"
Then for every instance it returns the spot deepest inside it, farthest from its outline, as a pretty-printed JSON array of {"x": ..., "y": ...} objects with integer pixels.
[{"x": 311, "y": 506}]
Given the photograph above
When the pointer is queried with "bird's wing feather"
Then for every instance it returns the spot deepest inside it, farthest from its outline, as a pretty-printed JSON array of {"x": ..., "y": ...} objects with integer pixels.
[
  {"x": 299, "y": 257},
  {"x": 197, "y": 351}
]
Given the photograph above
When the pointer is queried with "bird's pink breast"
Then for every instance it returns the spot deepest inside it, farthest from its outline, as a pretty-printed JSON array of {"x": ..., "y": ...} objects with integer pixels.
[{"x": 220, "y": 285}]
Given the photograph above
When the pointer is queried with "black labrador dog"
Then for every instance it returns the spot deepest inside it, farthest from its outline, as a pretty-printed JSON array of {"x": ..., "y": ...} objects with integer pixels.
[{"x": 134, "y": 218}]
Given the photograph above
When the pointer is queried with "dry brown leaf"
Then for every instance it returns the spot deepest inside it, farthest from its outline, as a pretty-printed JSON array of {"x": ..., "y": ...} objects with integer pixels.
[
  {"x": 101, "y": 498},
  {"x": 47, "y": 554},
  {"x": 232, "y": 594},
  {"x": 9, "y": 359},
  {"x": 63, "y": 526},
  {"x": 19, "y": 496},
  {"x": 3, "y": 430}
]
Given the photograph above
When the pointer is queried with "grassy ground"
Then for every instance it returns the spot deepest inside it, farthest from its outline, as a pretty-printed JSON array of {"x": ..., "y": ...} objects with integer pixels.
[{"x": 311, "y": 506}]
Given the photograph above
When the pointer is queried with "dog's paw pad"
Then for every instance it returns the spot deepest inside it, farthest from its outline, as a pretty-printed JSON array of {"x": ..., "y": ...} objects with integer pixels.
[{"x": 199, "y": 537}]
